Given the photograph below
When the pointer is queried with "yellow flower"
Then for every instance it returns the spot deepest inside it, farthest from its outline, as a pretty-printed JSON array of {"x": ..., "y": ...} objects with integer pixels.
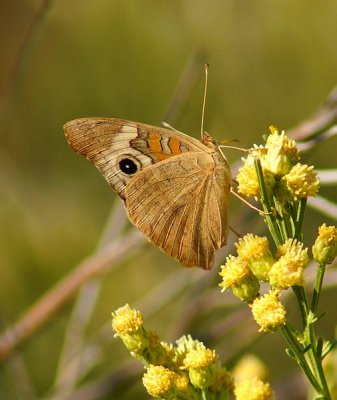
[
  {"x": 184, "y": 345},
  {"x": 247, "y": 178},
  {"x": 289, "y": 269},
  {"x": 281, "y": 153},
  {"x": 126, "y": 320},
  {"x": 200, "y": 357},
  {"x": 324, "y": 249},
  {"x": 250, "y": 366},
  {"x": 128, "y": 325},
  {"x": 253, "y": 389},
  {"x": 237, "y": 276},
  {"x": 255, "y": 251},
  {"x": 300, "y": 182},
  {"x": 200, "y": 363},
  {"x": 269, "y": 312},
  {"x": 159, "y": 381}
]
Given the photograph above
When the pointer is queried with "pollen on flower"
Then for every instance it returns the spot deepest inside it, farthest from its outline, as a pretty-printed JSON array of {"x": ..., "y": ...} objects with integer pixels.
[
  {"x": 255, "y": 251},
  {"x": 247, "y": 178},
  {"x": 200, "y": 357},
  {"x": 237, "y": 276},
  {"x": 184, "y": 345},
  {"x": 289, "y": 269},
  {"x": 234, "y": 272},
  {"x": 200, "y": 364},
  {"x": 293, "y": 248},
  {"x": 158, "y": 381},
  {"x": 253, "y": 389},
  {"x": 268, "y": 312},
  {"x": 300, "y": 182},
  {"x": 126, "y": 320},
  {"x": 325, "y": 247}
]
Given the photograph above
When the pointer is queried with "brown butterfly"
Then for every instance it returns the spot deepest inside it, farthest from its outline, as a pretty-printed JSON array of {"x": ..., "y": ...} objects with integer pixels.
[{"x": 175, "y": 188}]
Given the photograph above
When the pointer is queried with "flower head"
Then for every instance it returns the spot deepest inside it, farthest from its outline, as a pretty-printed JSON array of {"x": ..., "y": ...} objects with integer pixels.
[
  {"x": 247, "y": 178},
  {"x": 200, "y": 357},
  {"x": 126, "y": 320},
  {"x": 300, "y": 182},
  {"x": 237, "y": 276},
  {"x": 289, "y": 269},
  {"x": 159, "y": 381},
  {"x": 269, "y": 312},
  {"x": 255, "y": 251},
  {"x": 253, "y": 389},
  {"x": 324, "y": 249},
  {"x": 200, "y": 364},
  {"x": 128, "y": 325},
  {"x": 281, "y": 153},
  {"x": 184, "y": 345}
]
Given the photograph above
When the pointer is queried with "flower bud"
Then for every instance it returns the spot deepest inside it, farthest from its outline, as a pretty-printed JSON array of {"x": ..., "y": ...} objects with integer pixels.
[
  {"x": 281, "y": 153},
  {"x": 255, "y": 251},
  {"x": 237, "y": 276},
  {"x": 324, "y": 249}
]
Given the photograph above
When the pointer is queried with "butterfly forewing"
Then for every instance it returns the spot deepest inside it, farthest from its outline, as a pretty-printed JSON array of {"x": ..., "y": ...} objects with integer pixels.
[
  {"x": 107, "y": 141},
  {"x": 176, "y": 191}
]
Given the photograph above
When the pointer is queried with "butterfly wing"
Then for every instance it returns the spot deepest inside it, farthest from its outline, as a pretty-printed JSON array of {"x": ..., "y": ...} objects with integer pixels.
[
  {"x": 108, "y": 141},
  {"x": 180, "y": 204},
  {"x": 176, "y": 195}
]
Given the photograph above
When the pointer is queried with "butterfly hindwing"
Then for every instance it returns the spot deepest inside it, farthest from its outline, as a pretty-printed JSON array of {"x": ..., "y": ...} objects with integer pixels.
[{"x": 180, "y": 207}]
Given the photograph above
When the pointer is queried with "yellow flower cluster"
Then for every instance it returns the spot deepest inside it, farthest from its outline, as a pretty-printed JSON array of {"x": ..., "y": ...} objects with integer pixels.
[
  {"x": 181, "y": 370},
  {"x": 284, "y": 176},
  {"x": 255, "y": 263}
]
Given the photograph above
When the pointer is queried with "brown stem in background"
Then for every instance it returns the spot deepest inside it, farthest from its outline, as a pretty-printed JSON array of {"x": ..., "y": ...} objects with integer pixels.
[
  {"x": 55, "y": 298},
  {"x": 323, "y": 119}
]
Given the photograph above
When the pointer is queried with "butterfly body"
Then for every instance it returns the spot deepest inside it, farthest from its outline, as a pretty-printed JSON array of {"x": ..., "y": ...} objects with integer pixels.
[{"x": 175, "y": 188}]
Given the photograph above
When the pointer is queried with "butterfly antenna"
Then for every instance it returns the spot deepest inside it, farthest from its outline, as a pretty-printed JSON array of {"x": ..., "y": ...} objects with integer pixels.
[{"x": 204, "y": 100}]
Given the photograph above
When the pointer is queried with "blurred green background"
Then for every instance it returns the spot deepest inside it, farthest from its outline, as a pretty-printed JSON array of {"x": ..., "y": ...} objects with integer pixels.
[{"x": 271, "y": 62}]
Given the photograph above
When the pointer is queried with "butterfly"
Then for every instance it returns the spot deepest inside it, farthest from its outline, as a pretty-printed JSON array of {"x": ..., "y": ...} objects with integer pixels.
[{"x": 175, "y": 188}]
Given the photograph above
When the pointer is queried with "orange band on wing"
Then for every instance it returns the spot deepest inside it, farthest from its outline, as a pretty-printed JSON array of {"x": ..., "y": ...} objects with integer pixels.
[
  {"x": 155, "y": 146},
  {"x": 174, "y": 145}
]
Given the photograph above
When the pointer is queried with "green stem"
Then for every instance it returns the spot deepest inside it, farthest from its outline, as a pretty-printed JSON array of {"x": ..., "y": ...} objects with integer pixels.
[
  {"x": 300, "y": 218},
  {"x": 314, "y": 353},
  {"x": 270, "y": 219},
  {"x": 317, "y": 289},
  {"x": 302, "y": 302},
  {"x": 290, "y": 338},
  {"x": 316, "y": 362}
]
